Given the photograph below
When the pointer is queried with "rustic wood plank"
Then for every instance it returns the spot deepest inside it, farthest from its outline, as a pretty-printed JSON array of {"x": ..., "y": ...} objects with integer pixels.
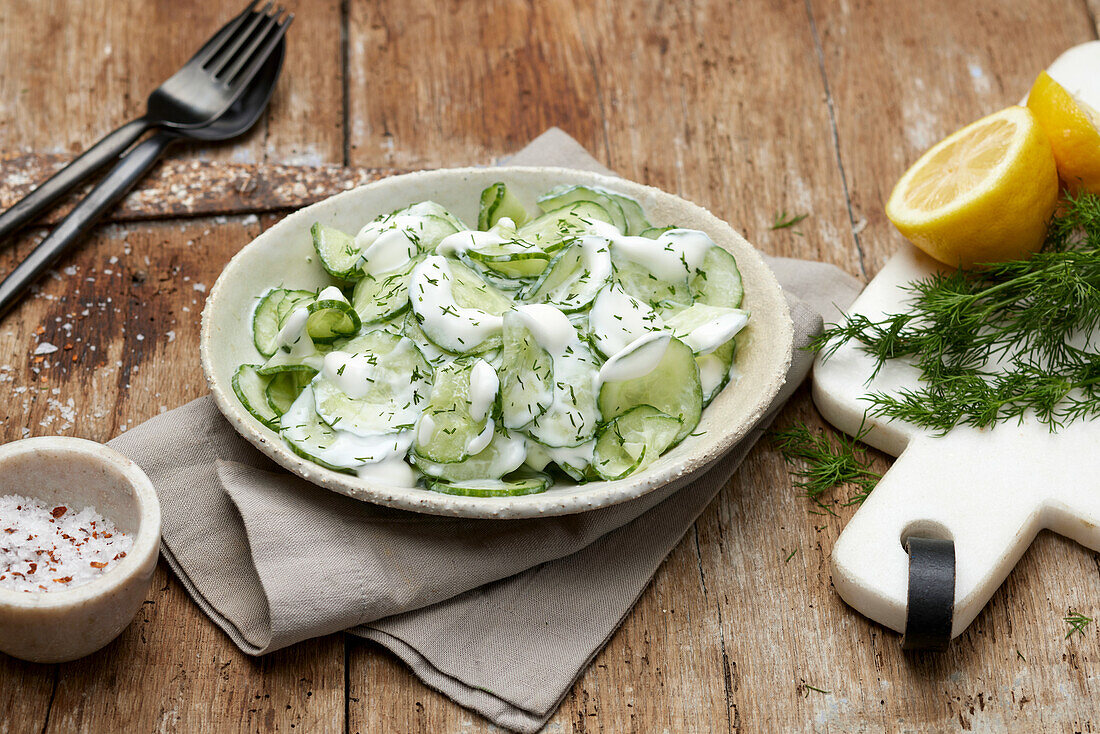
[
  {"x": 100, "y": 59},
  {"x": 188, "y": 188},
  {"x": 721, "y": 104},
  {"x": 124, "y": 312}
]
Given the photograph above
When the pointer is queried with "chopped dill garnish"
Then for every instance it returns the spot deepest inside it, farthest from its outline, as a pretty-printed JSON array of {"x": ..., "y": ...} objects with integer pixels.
[
  {"x": 825, "y": 464},
  {"x": 1077, "y": 623},
  {"x": 996, "y": 343},
  {"x": 783, "y": 220}
]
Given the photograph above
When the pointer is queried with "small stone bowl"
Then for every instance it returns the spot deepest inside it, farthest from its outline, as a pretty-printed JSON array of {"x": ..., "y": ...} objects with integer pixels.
[{"x": 57, "y": 626}]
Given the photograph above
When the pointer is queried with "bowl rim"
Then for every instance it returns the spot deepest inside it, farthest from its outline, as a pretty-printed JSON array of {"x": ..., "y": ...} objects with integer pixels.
[
  {"x": 546, "y": 504},
  {"x": 146, "y": 541}
]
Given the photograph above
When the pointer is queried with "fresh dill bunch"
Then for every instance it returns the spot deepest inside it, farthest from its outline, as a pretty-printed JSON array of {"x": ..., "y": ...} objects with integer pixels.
[
  {"x": 1000, "y": 342},
  {"x": 825, "y": 464},
  {"x": 1077, "y": 623}
]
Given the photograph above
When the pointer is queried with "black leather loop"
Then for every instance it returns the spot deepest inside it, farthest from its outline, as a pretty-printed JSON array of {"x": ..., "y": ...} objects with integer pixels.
[{"x": 931, "y": 606}]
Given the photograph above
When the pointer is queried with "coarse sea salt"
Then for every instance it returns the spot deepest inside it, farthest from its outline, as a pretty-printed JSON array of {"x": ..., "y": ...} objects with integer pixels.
[{"x": 53, "y": 547}]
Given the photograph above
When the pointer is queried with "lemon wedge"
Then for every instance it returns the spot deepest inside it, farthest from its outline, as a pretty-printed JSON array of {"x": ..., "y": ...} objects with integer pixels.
[
  {"x": 1073, "y": 129},
  {"x": 983, "y": 195}
]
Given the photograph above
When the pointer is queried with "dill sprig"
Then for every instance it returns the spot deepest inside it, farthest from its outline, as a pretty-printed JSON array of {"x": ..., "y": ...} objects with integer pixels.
[
  {"x": 999, "y": 342},
  {"x": 783, "y": 220},
  {"x": 826, "y": 464},
  {"x": 1077, "y": 623}
]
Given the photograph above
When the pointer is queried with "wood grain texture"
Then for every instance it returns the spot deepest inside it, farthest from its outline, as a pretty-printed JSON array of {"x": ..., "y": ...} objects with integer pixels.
[{"x": 750, "y": 109}]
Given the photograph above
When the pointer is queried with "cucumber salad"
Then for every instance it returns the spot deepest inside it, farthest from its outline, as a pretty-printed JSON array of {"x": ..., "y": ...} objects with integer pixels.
[{"x": 578, "y": 341}]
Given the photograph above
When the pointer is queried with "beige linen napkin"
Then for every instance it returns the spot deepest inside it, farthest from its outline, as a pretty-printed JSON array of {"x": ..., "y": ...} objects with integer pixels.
[{"x": 499, "y": 615}]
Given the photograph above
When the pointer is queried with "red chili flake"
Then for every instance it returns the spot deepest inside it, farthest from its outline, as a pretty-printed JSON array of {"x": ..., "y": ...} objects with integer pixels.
[
  {"x": 39, "y": 586},
  {"x": 108, "y": 535},
  {"x": 97, "y": 564},
  {"x": 17, "y": 573},
  {"x": 9, "y": 531},
  {"x": 64, "y": 579},
  {"x": 118, "y": 556},
  {"x": 40, "y": 330},
  {"x": 33, "y": 566},
  {"x": 59, "y": 510}
]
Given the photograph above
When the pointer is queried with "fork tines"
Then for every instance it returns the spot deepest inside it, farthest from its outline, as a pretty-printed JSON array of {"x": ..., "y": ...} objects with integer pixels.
[{"x": 248, "y": 43}]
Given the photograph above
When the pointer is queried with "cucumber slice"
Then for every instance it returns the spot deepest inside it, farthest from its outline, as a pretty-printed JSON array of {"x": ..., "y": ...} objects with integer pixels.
[
  {"x": 497, "y": 202},
  {"x": 718, "y": 282},
  {"x": 382, "y": 297},
  {"x": 705, "y": 328},
  {"x": 557, "y": 228},
  {"x": 294, "y": 299},
  {"x": 337, "y": 251},
  {"x": 636, "y": 221},
  {"x": 653, "y": 233},
  {"x": 251, "y": 389},
  {"x": 448, "y": 429},
  {"x": 265, "y": 322},
  {"x": 532, "y": 484},
  {"x": 575, "y": 275},
  {"x": 330, "y": 320},
  {"x": 633, "y": 441},
  {"x": 636, "y": 280},
  {"x": 526, "y": 375},
  {"x": 285, "y": 387},
  {"x": 671, "y": 385},
  {"x": 616, "y": 319},
  {"x": 410, "y": 328},
  {"x": 573, "y": 416},
  {"x": 504, "y": 454},
  {"x": 714, "y": 369},
  {"x": 456, "y": 309},
  {"x": 565, "y": 194},
  {"x": 515, "y": 259},
  {"x": 313, "y": 439}
]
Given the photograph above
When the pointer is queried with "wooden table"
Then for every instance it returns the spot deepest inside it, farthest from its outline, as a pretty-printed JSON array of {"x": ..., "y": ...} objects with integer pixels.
[{"x": 749, "y": 108}]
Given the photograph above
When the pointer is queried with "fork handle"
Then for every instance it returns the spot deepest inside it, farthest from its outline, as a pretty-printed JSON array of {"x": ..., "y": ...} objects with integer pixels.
[
  {"x": 106, "y": 194},
  {"x": 99, "y": 155}
]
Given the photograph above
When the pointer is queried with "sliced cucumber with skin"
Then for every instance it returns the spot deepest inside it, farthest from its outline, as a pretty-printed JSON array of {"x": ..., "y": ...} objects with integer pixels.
[
  {"x": 455, "y": 307},
  {"x": 511, "y": 487},
  {"x": 559, "y": 227},
  {"x": 566, "y": 194},
  {"x": 573, "y": 416},
  {"x": 714, "y": 369},
  {"x": 718, "y": 282},
  {"x": 251, "y": 389},
  {"x": 633, "y": 441},
  {"x": 330, "y": 320},
  {"x": 337, "y": 251},
  {"x": 293, "y": 300},
  {"x": 526, "y": 375},
  {"x": 575, "y": 276},
  {"x": 382, "y": 297},
  {"x": 376, "y": 383},
  {"x": 515, "y": 259},
  {"x": 653, "y": 233},
  {"x": 504, "y": 454},
  {"x": 671, "y": 385},
  {"x": 285, "y": 387},
  {"x": 447, "y": 428},
  {"x": 266, "y": 322},
  {"x": 704, "y": 328},
  {"x": 498, "y": 202},
  {"x": 636, "y": 221},
  {"x": 636, "y": 280}
]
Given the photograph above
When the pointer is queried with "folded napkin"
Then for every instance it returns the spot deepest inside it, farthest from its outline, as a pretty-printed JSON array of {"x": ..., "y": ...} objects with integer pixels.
[{"x": 500, "y": 615}]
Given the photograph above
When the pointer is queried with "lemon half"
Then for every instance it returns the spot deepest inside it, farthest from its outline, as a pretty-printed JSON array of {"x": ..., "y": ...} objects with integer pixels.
[
  {"x": 983, "y": 195},
  {"x": 1073, "y": 129}
]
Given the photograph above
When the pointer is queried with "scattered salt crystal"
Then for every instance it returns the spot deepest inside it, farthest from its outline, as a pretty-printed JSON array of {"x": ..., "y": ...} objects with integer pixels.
[
  {"x": 44, "y": 348},
  {"x": 52, "y": 547},
  {"x": 113, "y": 260},
  {"x": 171, "y": 336},
  {"x": 200, "y": 287}
]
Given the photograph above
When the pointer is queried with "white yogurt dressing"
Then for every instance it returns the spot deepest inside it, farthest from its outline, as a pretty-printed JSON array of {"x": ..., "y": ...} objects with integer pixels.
[
  {"x": 712, "y": 334},
  {"x": 458, "y": 243},
  {"x": 332, "y": 293},
  {"x": 343, "y": 449},
  {"x": 618, "y": 318},
  {"x": 449, "y": 325},
  {"x": 673, "y": 256},
  {"x": 484, "y": 385},
  {"x": 385, "y": 245},
  {"x": 637, "y": 359}
]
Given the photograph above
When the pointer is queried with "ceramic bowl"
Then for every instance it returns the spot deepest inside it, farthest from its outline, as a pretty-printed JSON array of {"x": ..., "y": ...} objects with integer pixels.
[
  {"x": 284, "y": 255},
  {"x": 57, "y": 626}
]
